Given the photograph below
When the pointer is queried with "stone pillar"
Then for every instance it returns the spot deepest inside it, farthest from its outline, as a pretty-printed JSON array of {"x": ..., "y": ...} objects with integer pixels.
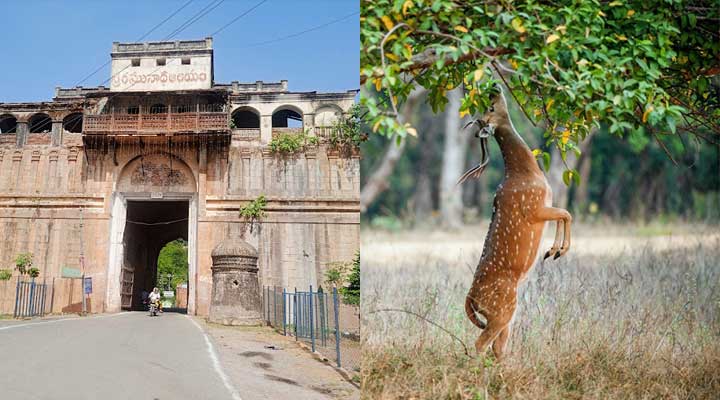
[
  {"x": 236, "y": 290},
  {"x": 265, "y": 129},
  {"x": 22, "y": 132},
  {"x": 57, "y": 128}
]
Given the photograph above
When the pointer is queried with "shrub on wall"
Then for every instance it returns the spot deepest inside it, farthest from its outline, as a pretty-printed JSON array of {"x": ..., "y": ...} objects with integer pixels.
[
  {"x": 23, "y": 263},
  {"x": 351, "y": 292},
  {"x": 5, "y": 274},
  {"x": 346, "y": 133},
  {"x": 254, "y": 210},
  {"x": 289, "y": 143}
]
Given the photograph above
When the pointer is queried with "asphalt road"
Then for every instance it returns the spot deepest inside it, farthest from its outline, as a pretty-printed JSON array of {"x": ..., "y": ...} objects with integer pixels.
[{"x": 117, "y": 356}]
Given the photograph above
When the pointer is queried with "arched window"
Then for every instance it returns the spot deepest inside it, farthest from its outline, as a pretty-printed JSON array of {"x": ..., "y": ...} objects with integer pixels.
[
  {"x": 73, "y": 122},
  {"x": 327, "y": 116},
  {"x": 40, "y": 123},
  {"x": 286, "y": 117},
  {"x": 158, "y": 109},
  {"x": 246, "y": 118},
  {"x": 8, "y": 124}
]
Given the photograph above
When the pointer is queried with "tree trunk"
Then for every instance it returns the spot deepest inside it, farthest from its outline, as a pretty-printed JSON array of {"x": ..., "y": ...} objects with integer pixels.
[
  {"x": 423, "y": 196},
  {"x": 453, "y": 164},
  {"x": 378, "y": 181}
]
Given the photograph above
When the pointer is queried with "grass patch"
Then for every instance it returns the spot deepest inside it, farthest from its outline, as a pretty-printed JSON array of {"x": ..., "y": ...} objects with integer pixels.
[{"x": 641, "y": 324}]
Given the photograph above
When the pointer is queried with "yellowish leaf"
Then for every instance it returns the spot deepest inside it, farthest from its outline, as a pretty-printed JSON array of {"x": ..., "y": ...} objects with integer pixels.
[
  {"x": 376, "y": 126},
  {"x": 646, "y": 113},
  {"x": 478, "y": 74},
  {"x": 392, "y": 56},
  {"x": 600, "y": 13},
  {"x": 449, "y": 86},
  {"x": 583, "y": 62},
  {"x": 549, "y": 104},
  {"x": 552, "y": 38},
  {"x": 621, "y": 37},
  {"x": 537, "y": 112},
  {"x": 537, "y": 152},
  {"x": 412, "y": 131},
  {"x": 615, "y": 3},
  {"x": 565, "y": 137},
  {"x": 463, "y": 113},
  {"x": 561, "y": 28},
  {"x": 514, "y": 63},
  {"x": 389, "y": 24},
  {"x": 378, "y": 84},
  {"x": 517, "y": 24},
  {"x": 406, "y": 5},
  {"x": 461, "y": 28},
  {"x": 630, "y": 13}
]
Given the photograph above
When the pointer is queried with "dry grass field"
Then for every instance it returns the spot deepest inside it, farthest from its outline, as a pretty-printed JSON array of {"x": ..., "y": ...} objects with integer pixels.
[{"x": 630, "y": 313}]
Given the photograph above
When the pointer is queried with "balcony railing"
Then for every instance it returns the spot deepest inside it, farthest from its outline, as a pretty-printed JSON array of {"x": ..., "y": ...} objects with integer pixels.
[{"x": 156, "y": 123}]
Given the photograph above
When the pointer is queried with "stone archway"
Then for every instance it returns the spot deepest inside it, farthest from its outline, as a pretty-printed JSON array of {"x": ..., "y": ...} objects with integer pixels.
[{"x": 154, "y": 196}]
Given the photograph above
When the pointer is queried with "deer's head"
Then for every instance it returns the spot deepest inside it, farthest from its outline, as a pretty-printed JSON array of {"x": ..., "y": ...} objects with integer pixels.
[{"x": 495, "y": 115}]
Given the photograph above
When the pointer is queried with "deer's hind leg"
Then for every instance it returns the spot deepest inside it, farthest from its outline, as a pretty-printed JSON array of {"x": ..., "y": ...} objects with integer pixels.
[
  {"x": 500, "y": 342},
  {"x": 497, "y": 331}
]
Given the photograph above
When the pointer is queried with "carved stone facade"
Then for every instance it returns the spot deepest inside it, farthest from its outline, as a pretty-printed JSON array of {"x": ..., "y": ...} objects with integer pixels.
[{"x": 114, "y": 175}]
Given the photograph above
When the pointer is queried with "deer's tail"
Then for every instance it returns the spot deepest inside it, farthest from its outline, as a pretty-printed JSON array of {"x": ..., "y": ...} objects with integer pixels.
[{"x": 471, "y": 311}]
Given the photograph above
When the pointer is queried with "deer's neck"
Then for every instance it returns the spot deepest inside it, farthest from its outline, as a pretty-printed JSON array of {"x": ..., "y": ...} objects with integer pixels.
[{"x": 516, "y": 154}]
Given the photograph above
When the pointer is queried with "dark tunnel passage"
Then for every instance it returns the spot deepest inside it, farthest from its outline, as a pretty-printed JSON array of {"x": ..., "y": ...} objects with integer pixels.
[{"x": 150, "y": 225}]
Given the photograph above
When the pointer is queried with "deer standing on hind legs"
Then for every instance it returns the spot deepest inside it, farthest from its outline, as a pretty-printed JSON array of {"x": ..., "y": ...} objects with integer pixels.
[{"x": 522, "y": 206}]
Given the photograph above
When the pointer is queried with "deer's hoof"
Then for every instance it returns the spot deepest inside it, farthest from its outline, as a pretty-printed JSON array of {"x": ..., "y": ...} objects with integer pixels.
[
  {"x": 547, "y": 254},
  {"x": 557, "y": 255}
]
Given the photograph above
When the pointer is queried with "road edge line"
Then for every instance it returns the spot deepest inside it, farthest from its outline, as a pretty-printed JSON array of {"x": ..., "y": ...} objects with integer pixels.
[{"x": 216, "y": 361}]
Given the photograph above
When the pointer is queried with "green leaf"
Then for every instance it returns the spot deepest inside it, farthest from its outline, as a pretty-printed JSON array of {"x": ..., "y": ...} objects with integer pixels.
[
  {"x": 546, "y": 160},
  {"x": 567, "y": 175}
]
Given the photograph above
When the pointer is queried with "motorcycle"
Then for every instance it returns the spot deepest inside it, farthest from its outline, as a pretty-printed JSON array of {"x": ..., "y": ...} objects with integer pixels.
[{"x": 153, "y": 308}]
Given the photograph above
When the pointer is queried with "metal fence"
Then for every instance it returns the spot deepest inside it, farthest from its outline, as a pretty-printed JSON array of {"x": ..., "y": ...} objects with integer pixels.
[
  {"x": 320, "y": 319},
  {"x": 31, "y": 299}
]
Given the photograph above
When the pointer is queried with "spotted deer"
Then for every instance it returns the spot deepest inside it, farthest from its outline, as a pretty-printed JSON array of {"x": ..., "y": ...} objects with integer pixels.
[{"x": 521, "y": 207}]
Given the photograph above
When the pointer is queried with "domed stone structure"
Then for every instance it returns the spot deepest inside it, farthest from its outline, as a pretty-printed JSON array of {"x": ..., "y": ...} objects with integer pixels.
[{"x": 236, "y": 289}]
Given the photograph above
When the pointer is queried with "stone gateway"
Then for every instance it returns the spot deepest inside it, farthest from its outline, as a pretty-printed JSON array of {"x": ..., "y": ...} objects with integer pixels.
[{"x": 100, "y": 179}]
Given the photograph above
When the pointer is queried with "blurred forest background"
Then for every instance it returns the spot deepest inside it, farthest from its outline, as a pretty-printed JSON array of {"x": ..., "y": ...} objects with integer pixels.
[{"x": 627, "y": 177}]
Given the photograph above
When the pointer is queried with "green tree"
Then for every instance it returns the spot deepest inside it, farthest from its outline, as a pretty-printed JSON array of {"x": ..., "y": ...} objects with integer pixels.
[
  {"x": 646, "y": 66},
  {"x": 173, "y": 262}
]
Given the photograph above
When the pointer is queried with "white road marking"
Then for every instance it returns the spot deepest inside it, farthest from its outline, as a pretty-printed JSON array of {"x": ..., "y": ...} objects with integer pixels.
[
  {"x": 216, "y": 362},
  {"x": 61, "y": 320}
]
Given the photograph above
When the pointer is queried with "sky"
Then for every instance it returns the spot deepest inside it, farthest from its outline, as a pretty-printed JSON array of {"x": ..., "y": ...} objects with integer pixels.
[{"x": 49, "y": 43}]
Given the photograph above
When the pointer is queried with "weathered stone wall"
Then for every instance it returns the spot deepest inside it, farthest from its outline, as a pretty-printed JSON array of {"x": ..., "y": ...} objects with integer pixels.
[{"x": 47, "y": 192}]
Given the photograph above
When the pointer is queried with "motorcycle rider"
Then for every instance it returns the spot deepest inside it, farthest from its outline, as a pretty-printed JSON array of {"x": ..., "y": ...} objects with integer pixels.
[{"x": 155, "y": 298}]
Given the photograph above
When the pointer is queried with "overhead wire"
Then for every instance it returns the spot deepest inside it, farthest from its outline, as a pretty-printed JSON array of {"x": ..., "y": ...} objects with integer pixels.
[
  {"x": 296, "y": 34},
  {"x": 159, "y": 24},
  {"x": 238, "y": 17}
]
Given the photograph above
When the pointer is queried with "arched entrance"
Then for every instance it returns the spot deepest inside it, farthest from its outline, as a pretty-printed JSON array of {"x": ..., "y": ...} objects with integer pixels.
[{"x": 154, "y": 202}]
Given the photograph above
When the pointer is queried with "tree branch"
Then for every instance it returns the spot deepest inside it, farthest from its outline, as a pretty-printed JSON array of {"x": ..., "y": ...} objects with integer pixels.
[{"x": 428, "y": 58}]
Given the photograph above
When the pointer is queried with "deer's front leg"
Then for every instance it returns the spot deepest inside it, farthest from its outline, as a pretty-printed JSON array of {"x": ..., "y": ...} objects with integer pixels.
[
  {"x": 557, "y": 244},
  {"x": 563, "y": 218}
]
